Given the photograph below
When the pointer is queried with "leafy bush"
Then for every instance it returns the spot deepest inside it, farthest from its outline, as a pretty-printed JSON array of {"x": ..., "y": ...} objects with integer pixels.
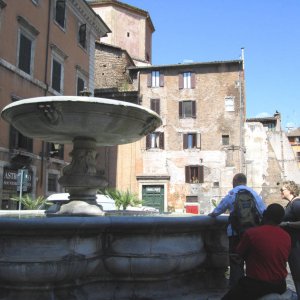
[
  {"x": 30, "y": 203},
  {"x": 122, "y": 199}
]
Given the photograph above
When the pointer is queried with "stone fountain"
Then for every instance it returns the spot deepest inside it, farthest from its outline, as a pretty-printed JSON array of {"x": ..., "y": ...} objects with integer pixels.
[{"x": 76, "y": 252}]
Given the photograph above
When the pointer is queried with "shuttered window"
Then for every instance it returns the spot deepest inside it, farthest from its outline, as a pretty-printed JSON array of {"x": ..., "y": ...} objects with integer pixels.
[
  {"x": 194, "y": 174},
  {"x": 187, "y": 80},
  {"x": 155, "y": 140},
  {"x": 155, "y": 105},
  {"x": 187, "y": 109},
  {"x": 155, "y": 79},
  {"x": 191, "y": 141}
]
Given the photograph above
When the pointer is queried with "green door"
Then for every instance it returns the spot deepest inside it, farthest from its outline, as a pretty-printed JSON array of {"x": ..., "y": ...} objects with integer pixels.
[{"x": 153, "y": 195}]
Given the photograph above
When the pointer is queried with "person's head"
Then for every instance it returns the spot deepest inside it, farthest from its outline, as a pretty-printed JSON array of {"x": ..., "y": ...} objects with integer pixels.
[
  {"x": 239, "y": 179},
  {"x": 289, "y": 190},
  {"x": 273, "y": 214}
]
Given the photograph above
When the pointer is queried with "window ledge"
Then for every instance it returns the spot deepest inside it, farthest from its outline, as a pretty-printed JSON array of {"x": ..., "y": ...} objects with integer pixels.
[{"x": 154, "y": 149}]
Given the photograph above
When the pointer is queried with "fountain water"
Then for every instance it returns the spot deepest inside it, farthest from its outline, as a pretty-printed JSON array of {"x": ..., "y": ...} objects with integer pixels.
[{"x": 83, "y": 255}]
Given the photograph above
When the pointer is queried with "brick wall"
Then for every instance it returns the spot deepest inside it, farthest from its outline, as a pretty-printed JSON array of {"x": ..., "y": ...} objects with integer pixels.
[{"x": 111, "y": 68}]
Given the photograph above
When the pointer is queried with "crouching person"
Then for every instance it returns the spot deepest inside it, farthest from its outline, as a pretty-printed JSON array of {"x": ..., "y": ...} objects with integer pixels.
[{"x": 266, "y": 250}]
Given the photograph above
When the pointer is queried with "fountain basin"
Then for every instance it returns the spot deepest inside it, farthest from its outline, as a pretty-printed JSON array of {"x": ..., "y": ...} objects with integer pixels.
[
  {"x": 61, "y": 119},
  {"x": 40, "y": 256},
  {"x": 86, "y": 122}
]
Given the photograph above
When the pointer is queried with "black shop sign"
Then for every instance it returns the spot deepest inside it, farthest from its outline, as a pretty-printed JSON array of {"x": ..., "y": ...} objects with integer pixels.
[{"x": 10, "y": 179}]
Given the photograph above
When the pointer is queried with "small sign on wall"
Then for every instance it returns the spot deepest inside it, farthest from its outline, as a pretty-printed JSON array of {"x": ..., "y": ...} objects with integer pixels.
[{"x": 10, "y": 179}]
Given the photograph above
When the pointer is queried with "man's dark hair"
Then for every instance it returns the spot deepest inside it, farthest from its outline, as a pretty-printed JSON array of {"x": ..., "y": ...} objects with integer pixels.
[
  {"x": 274, "y": 213},
  {"x": 239, "y": 179}
]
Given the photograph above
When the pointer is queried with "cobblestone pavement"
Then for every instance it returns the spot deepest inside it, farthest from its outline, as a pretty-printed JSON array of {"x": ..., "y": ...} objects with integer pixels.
[{"x": 218, "y": 294}]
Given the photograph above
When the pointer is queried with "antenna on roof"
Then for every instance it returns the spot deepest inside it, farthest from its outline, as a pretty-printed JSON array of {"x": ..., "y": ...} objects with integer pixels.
[{"x": 243, "y": 56}]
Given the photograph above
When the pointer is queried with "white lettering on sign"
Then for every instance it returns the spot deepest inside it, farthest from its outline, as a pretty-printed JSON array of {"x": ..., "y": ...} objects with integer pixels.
[
  {"x": 10, "y": 179},
  {"x": 10, "y": 175},
  {"x": 153, "y": 190}
]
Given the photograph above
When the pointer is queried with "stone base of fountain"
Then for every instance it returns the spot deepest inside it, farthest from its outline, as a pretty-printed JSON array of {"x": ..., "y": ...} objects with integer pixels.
[
  {"x": 114, "y": 258},
  {"x": 197, "y": 286}
]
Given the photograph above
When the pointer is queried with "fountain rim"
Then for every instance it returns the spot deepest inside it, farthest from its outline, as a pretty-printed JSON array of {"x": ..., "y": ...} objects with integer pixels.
[
  {"x": 83, "y": 99},
  {"x": 70, "y": 224}
]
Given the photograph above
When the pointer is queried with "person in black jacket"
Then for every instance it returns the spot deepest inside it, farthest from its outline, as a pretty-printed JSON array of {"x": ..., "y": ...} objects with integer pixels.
[{"x": 290, "y": 192}]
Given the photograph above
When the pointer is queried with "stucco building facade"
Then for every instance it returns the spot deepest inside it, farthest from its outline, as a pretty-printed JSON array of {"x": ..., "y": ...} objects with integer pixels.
[
  {"x": 131, "y": 28},
  {"x": 192, "y": 157},
  {"x": 269, "y": 158},
  {"x": 294, "y": 139},
  {"x": 47, "y": 48}
]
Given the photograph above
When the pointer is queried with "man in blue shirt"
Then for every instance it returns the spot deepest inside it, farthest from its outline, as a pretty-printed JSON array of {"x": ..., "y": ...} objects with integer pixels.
[{"x": 239, "y": 182}]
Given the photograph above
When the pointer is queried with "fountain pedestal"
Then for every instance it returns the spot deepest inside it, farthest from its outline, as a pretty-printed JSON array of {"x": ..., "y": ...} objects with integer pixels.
[{"x": 80, "y": 179}]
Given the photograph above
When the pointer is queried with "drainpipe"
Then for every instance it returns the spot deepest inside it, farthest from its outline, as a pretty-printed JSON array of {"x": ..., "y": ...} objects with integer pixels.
[
  {"x": 281, "y": 148},
  {"x": 139, "y": 86},
  {"x": 242, "y": 120},
  {"x": 46, "y": 90}
]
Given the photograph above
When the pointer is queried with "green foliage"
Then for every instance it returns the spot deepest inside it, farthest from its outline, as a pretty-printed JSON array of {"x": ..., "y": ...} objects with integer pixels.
[
  {"x": 214, "y": 202},
  {"x": 30, "y": 203},
  {"x": 122, "y": 199}
]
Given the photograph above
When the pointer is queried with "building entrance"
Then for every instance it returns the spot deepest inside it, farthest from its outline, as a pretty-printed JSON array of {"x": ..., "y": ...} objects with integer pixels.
[{"x": 153, "y": 195}]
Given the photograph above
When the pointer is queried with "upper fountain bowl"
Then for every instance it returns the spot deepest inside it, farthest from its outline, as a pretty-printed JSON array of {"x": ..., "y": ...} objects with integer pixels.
[{"x": 60, "y": 119}]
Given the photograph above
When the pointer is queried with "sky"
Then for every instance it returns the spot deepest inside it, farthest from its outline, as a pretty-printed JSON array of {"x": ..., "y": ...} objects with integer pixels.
[{"x": 216, "y": 30}]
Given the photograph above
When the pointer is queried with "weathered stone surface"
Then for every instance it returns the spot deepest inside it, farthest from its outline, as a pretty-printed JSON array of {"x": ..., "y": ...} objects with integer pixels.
[{"x": 110, "y": 257}]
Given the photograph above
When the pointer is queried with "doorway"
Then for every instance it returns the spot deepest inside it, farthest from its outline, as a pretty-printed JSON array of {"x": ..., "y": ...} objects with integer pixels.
[{"x": 153, "y": 195}]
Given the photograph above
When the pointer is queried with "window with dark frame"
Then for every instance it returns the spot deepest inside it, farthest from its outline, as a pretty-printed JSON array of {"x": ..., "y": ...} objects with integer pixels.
[
  {"x": 155, "y": 79},
  {"x": 189, "y": 140},
  {"x": 187, "y": 109},
  {"x": 187, "y": 80},
  {"x": 19, "y": 141},
  {"x": 80, "y": 85},
  {"x": 191, "y": 199},
  {"x": 25, "y": 49},
  {"x": 56, "y": 75},
  {"x": 82, "y": 35},
  {"x": 194, "y": 174},
  {"x": 225, "y": 139},
  {"x": 155, "y": 140},
  {"x": 52, "y": 182},
  {"x": 60, "y": 12},
  {"x": 155, "y": 105}
]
